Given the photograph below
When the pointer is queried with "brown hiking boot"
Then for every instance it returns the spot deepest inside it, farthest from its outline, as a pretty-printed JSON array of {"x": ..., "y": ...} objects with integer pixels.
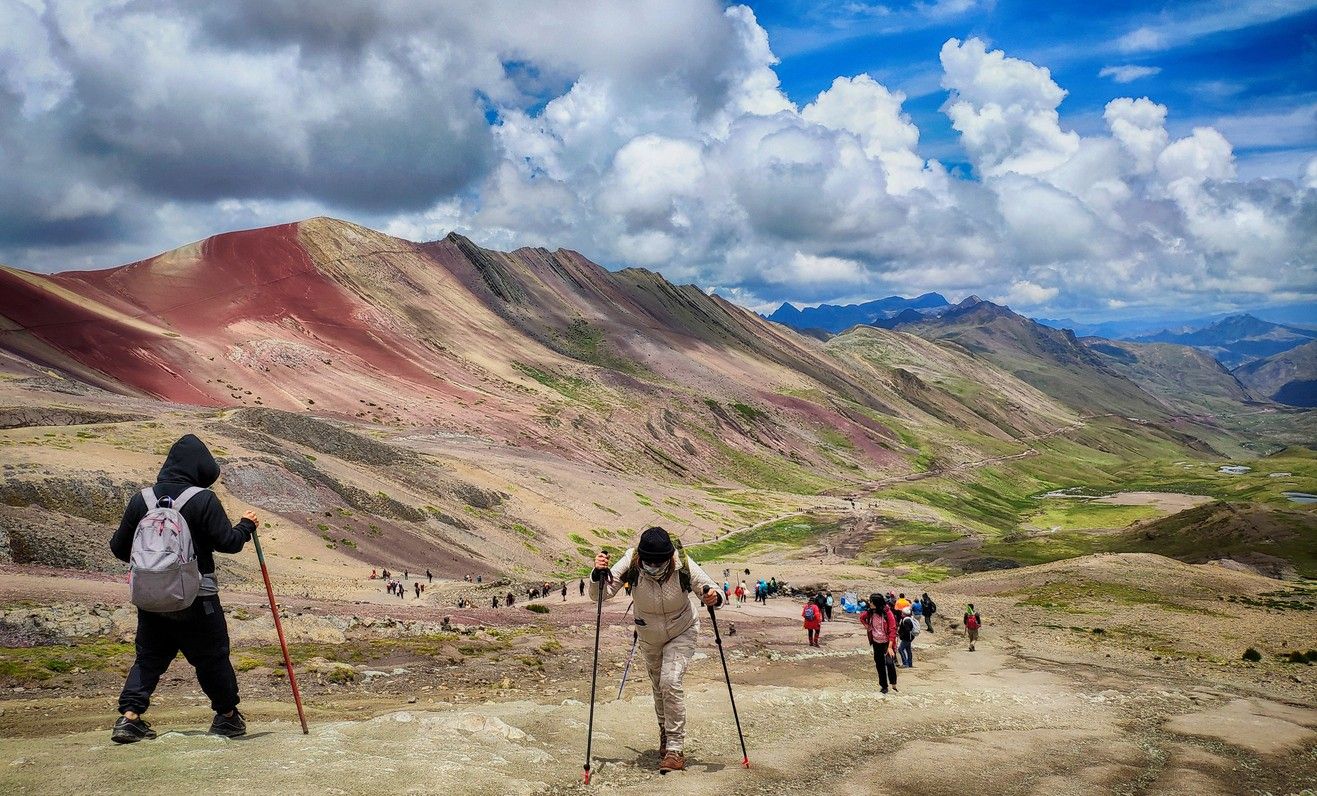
[{"x": 672, "y": 761}]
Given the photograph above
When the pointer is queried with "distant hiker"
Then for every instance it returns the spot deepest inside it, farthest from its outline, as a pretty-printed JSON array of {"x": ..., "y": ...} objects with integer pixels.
[
  {"x": 881, "y": 625},
  {"x": 813, "y": 620},
  {"x": 495, "y": 600},
  {"x": 661, "y": 576},
  {"x": 906, "y": 631},
  {"x": 510, "y": 599},
  {"x": 917, "y": 610},
  {"x": 891, "y": 602},
  {"x": 480, "y": 578},
  {"x": 372, "y": 574},
  {"x": 564, "y": 592},
  {"x": 972, "y": 624},
  {"x": 429, "y": 576},
  {"x": 582, "y": 587},
  {"x": 930, "y": 608},
  {"x": 194, "y": 623},
  {"x": 822, "y": 603},
  {"x": 901, "y": 604},
  {"x": 418, "y": 589},
  {"x": 404, "y": 574},
  {"x": 772, "y": 586},
  {"x": 827, "y": 606}
]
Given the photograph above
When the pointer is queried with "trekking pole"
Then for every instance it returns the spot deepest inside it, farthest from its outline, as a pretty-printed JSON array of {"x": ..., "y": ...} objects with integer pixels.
[
  {"x": 635, "y": 639},
  {"x": 602, "y": 582},
  {"x": 279, "y": 628},
  {"x": 717, "y": 637}
]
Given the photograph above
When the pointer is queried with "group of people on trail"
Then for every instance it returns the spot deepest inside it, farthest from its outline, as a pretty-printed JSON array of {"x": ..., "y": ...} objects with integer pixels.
[
  {"x": 396, "y": 588},
  {"x": 532, "y": 593},
  {"x": 543, "y": 590},
  {"x": 764, "y": 589},
  {"x": 393, "y": 586}
]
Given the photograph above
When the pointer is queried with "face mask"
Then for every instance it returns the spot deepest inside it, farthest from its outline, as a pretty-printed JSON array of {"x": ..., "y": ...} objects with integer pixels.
[{"x": 656, "y": 571}]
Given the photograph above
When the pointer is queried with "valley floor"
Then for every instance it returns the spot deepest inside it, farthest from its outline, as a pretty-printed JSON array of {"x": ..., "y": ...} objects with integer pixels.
[{"x": 1046, "y": 705}]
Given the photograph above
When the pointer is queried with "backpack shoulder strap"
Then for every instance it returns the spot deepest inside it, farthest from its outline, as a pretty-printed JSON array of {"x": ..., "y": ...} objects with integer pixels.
[
  {"x": 186, "y": 495},
  {"x": 632, "y": 574},
  {"x": 684, "y": 573},
  {"x": 148, "y": 495}
]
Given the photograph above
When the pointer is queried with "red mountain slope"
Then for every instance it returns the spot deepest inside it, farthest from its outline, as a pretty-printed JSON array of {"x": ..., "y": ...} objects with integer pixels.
[{"x": 530, "y": 348}]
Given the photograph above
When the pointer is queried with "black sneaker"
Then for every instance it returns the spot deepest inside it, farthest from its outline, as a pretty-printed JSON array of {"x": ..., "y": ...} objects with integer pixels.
[
  {"x": 131, "y": 731},
  {"x": 233, "y": 726}
]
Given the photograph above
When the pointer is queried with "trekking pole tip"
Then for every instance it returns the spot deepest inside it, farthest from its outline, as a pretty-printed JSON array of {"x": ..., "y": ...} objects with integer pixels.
[{"x": 745, "y": 762}]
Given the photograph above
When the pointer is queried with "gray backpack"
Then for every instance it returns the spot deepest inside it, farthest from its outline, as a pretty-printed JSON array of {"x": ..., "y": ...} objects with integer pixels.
[{"x": 163, "y": 573}]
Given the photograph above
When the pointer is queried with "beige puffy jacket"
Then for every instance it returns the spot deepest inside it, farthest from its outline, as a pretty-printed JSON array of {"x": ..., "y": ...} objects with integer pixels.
[{"x": 663, "y": 611}]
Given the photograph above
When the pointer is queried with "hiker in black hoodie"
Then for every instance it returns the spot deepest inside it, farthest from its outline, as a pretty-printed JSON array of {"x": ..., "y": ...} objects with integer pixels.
[{"x": 198, "y": 631}]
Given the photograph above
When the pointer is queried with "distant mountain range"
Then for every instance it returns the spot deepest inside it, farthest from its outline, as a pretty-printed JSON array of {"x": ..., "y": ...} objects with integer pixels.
[
  {"x": 1193, "y": 367},
  {"x": 1237, "y": 339},
  {"x": 1303, "y": 316},
  {"x": 833, "y": 318}
]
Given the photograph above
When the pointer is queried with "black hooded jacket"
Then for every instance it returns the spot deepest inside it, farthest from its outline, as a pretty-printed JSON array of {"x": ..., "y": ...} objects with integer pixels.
[{"x": 189, "y": 463}]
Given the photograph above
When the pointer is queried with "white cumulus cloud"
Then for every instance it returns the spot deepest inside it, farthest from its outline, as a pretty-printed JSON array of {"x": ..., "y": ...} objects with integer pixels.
[
  {"x": 653, "y": 134},
  {"x": 1129, "y": 72}
]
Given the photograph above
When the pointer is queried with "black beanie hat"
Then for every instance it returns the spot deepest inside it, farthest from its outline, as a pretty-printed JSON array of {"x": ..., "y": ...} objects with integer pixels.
[{"x": 655, "y": 545}]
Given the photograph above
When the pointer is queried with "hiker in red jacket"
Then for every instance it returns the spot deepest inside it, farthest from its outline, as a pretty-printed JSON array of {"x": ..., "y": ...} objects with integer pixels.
[
  {"x": 973, "y": 621},
  {"x": 813, "y": 617},
  {"x": 881, "y": 626}
]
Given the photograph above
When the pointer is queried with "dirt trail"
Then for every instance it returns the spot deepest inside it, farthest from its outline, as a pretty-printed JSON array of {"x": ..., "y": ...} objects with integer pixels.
[{"x": 1048, "y": 722}]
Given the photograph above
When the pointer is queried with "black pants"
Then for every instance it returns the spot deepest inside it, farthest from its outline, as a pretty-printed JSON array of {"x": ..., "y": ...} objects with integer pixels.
[
  {"x": 827, "y": 612},
  {"x": 202, "y": 635},
  {"x": 886, "y": 666}
]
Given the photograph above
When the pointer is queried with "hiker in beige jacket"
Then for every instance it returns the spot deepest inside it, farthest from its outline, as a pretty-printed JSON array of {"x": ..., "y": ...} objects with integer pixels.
[{"x": 666, "y": 625}]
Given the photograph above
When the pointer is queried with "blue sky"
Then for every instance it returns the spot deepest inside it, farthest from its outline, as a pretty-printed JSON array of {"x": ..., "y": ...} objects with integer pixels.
[
  {"x": 809, "y": 152},
  {"x": 1249, "y": 69}
]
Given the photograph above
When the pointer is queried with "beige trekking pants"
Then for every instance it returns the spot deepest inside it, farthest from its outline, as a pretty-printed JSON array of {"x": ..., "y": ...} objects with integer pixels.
[{"x": 667, "y": 666}]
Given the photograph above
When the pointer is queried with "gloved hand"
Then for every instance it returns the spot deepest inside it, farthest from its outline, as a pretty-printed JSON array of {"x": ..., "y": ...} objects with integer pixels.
[{"x": 601, "y": 570}]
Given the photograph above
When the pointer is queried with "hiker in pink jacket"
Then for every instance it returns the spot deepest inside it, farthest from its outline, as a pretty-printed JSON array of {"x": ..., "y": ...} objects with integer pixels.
[{"x": 881, "y": 626}]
